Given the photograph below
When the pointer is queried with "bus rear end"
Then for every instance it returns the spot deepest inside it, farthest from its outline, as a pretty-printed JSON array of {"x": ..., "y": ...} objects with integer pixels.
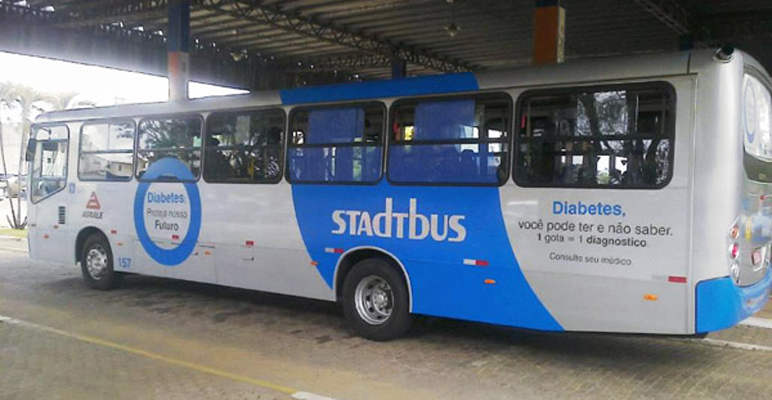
[{"x": 733, "y": 192}]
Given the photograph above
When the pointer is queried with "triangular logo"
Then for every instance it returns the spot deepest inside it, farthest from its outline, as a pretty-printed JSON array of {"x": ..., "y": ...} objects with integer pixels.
[{"x": 93, "y": 202}]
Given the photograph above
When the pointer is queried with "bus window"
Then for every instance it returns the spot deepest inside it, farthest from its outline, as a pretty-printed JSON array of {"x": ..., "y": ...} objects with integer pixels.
[
  {"x": 49, "y": 163},
  {"x": 106, "y": 151},
  {"x": 170, "y": 137},
  {"x": 450, "y": 141},
  {"x": 615, "y": 137},
  {"x": 244, "y": 147},
  {"x": 336, "y": 144}
]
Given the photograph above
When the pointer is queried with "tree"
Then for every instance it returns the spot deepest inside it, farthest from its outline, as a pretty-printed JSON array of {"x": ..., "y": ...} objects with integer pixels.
[{"x": 28, "y": 102}]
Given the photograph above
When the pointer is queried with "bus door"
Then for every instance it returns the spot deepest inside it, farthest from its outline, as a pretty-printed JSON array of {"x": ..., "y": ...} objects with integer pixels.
[{"x": 48, "y": 199}]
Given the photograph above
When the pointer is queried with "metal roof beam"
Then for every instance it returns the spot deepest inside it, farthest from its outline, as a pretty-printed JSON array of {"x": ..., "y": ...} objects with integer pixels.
[
  {"x": 272, "y": 15},
  {"x": 670, "y": 13},
  {"x": 340, "y": 63},
  {"x": 291, "y": 22},
  {"x": 125, "y": 12}
]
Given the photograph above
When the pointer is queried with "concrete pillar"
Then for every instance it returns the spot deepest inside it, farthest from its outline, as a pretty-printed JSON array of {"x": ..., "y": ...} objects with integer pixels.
[
  {"x": 398, "y": 68},
  {"x": 549, "y": 32},
  {"x": 178, "y": 40}
]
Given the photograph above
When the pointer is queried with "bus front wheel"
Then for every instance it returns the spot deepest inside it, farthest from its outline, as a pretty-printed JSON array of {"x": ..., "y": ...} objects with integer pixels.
[
  {"x": 375, "y": 301},
  {"x": 96, "y": 263}
]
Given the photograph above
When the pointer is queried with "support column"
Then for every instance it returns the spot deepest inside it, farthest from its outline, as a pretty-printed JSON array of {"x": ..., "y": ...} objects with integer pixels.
[
  {"x": 549, "y": 32},
  {"x": 178, "y": 55},
  {"x": 398, "y": 68}
]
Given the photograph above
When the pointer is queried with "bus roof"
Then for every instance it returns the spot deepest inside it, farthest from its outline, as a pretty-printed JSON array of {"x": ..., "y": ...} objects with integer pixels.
[{"x": 570, "y": 72}]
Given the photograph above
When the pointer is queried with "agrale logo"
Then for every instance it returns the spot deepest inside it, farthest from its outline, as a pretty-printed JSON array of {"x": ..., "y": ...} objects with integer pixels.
[
  {"x": 389, "y": 224},
  {"x": 93, "y": 208}
]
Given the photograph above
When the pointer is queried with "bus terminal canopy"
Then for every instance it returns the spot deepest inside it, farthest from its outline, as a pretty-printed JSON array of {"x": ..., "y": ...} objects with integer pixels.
[{"x": 287, "y": 43}]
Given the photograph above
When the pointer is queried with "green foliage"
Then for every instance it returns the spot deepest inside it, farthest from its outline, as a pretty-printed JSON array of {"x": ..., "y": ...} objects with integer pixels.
[{"x": 29, "y": 102}]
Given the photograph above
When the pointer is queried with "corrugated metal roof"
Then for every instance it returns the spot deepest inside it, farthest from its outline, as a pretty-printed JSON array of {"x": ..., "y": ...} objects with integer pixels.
[{"x": 360, "y": 36}]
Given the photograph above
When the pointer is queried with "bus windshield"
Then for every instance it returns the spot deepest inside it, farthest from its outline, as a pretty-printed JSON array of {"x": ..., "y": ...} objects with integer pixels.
[
  {"x": 757, "y": 129},
  {"x": 49, "y": 162}
]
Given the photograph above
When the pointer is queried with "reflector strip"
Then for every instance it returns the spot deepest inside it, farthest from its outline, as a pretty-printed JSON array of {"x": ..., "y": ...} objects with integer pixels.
[
  {"x": 249, "y": 243},
  {"x": 756, "y": 256},
  {"x": 478, "y": 263},
  {"x": 114, "y": 232},
  {"x": 175, "y": 237},
  {"x": 333, "y": 250},
  {"x": 676, "y": 279},
  {"x": 314, "y": 263},
  {"x": 489, "y": 282}
]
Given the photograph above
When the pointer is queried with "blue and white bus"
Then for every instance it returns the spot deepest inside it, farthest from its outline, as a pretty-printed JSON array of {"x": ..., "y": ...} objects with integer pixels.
[{"x": 612, "y": 195}]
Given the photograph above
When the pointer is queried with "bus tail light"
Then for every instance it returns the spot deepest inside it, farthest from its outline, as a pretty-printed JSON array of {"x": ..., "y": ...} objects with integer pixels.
[
  {"x": 734, "y": 251},
  {"x": 734, "y": 233}
]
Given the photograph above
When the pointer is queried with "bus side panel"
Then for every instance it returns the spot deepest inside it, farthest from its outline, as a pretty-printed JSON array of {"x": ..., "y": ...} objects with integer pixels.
[
  {"x": 451, "y": 240},
  {"x": 107, "y": 206},
  {"x": 49, "y": 235},
  {"x": 258, "y": 243},
  {"x": 638, "y": 282}
]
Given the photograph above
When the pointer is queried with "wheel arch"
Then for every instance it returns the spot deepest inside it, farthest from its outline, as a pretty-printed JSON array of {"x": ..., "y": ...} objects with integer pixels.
[
  {"x": 352, "y": 256},
  {"x": 80, "y": 240}
]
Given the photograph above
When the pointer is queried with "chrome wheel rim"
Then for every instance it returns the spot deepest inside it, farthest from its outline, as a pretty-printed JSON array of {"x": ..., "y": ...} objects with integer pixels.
[
  {"x": 96, "y": 262},
  {"x": 374, "y": 300}
]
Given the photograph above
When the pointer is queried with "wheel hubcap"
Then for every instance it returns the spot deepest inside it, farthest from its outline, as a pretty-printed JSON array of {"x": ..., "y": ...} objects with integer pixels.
[
  {"x": 96, "y": 262},
  {"x": 374, "y": 300}
]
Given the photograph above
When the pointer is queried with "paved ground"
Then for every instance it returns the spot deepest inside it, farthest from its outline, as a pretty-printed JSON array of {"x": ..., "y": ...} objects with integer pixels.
[{"x": 157, "y": 338}]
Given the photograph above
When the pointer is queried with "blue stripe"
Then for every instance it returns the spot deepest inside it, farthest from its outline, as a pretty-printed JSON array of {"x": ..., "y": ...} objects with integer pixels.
[
  {"x": 425, "y": 85},
  {"x": 722, "y": 304},
  {"x": 442, "y": 285}
]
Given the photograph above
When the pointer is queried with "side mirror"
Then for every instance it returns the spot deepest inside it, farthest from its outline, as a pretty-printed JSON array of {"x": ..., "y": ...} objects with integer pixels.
[{"x": 32, "y": 144}]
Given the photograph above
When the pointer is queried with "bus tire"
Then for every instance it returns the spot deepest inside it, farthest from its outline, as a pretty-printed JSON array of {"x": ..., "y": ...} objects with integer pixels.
[
  {"x": 376, "y": 301},
  {"x": 96, "y": 263}
]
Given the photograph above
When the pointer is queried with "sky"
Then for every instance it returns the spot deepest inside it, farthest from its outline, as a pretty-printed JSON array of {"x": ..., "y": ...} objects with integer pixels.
[{"x": 102, "y": 85}]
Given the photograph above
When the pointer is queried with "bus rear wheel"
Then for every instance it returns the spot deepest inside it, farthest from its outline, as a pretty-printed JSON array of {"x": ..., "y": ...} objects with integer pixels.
[
  {"x": 376, "y": 301},
  {"x": 96, "y": 263}
]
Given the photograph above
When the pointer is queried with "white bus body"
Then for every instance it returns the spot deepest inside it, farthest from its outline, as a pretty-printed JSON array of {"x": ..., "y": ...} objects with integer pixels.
[{"x": 685, "y": 253}]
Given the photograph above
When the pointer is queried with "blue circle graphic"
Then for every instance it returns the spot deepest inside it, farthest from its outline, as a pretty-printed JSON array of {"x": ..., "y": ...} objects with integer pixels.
[{"x": 171, "y": 170}]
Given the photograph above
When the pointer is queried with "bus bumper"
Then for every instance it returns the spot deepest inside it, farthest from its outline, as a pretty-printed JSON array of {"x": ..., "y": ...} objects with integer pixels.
[{"x": 722, "y": 304}]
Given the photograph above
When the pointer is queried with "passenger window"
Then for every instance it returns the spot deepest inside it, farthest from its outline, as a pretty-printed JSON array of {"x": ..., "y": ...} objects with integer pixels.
[
  {"x": 618, "y": 137},
  {"x": 49, "y": 162},
  {"x": 106, "y": 151},
  {"x": 336, "y": 144},
  {"x": 179, "y": 138},
  {"x": 244, "y": 147},
  {"x": 450, "y": 141}
]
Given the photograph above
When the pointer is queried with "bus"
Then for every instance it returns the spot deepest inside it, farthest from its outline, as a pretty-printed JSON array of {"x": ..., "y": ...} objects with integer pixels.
[{"x": 622, "y": 195}]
